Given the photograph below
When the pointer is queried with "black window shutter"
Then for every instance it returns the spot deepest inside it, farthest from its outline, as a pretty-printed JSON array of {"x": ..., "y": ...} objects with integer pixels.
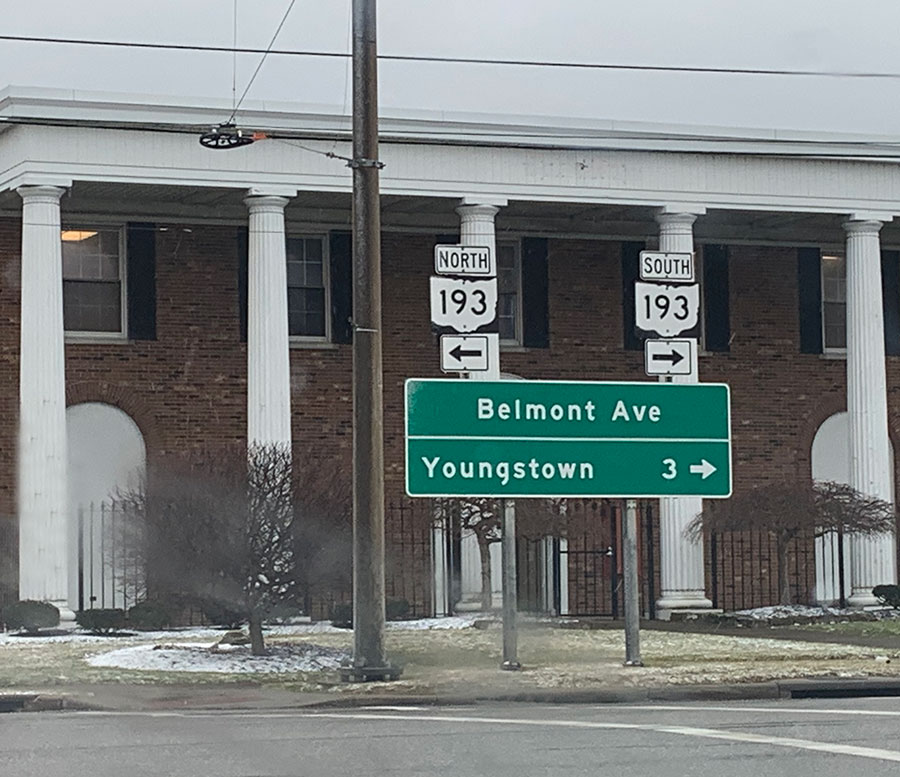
[
  {"x": 242, "y": 272},
  {"x": 535, "y": 297},
  {"x": 890, "y": 288},
  {"x": 715, "y": 298},
  {"x": 141, "y": 257},
  {"x": 809, "y": 287},
  {"x": 449, "y": 240},
  {"x": 340, "y": 252},
  {"x": 631, "y": 252}
]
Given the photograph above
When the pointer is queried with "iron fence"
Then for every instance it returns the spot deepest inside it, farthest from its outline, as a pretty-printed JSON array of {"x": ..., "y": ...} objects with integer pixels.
[
  {"x": 111, "y": 568},
  {"x": 576, "y": 572},
  {"x": 743, "y": 570}
]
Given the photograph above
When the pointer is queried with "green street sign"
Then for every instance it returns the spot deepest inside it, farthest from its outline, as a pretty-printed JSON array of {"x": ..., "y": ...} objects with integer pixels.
[{"x": 567, "y": 439}]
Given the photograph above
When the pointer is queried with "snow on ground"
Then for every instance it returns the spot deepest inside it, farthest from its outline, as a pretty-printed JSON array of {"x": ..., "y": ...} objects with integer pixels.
[
  {"x": 204, "y": 657},
  {"x": 436, "y": 624},
  {"x": 196, "y": 649},
  {"x": 210, "y": 634},
  {"x": 789, "y": 611}
]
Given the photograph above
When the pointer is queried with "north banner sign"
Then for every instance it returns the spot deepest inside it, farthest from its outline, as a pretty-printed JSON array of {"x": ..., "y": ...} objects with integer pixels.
[
  {"x": 567, "y": 439},
  {"x": 464, "y": 261}
]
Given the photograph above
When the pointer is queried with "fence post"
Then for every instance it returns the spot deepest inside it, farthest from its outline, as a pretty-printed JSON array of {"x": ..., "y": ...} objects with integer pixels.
[
  {"x": 651, "y": 561},
  {"x": 80, "y": 558},
  {"x": 614, "y": 561}
]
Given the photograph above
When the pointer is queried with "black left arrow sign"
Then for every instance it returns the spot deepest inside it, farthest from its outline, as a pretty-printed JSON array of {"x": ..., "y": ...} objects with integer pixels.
[{"x": 459, "y": 353}]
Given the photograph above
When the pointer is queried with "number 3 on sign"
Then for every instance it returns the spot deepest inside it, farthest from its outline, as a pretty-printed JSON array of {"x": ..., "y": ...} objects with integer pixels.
[
  {"x": 666, "y": 310},
  {"x": 671, "y": 470}
]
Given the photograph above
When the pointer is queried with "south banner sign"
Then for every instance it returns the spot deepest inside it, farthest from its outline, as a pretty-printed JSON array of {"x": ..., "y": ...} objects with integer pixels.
[{"x": 567, "y": 439}]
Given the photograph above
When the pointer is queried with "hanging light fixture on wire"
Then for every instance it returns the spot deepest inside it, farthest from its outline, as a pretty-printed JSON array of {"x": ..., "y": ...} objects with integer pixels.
[{"x": 227, "y": 136}]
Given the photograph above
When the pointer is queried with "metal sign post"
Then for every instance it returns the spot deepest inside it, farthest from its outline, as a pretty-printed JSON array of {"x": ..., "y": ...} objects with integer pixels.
[
  {"x": 510, "y": 604},
  {"x": 632, "y": 586}
]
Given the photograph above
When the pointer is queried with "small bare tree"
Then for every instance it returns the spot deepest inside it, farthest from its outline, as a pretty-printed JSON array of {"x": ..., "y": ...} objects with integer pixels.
[
  {"x": 483, "y": 517},
  {"x": 789, "y": 510},
  {"x": 218, "y": 527}
]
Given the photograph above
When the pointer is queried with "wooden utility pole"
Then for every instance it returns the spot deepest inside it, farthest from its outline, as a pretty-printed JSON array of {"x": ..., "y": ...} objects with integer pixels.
[{"x": 369, "y": 659}]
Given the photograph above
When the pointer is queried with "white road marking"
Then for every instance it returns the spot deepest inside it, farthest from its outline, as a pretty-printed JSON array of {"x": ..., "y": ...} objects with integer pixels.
[
  {"x": 690, "y": 731},
  {"x": 779, "y": 710}
]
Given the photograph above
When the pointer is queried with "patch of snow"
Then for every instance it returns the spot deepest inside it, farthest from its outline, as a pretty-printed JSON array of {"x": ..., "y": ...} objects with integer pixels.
[
  {"x": 436, "y": 624},
  {"x": 789, "y": 611},
  {"x": 213, "y": 634},
  {"x": 236, "y": 659}
]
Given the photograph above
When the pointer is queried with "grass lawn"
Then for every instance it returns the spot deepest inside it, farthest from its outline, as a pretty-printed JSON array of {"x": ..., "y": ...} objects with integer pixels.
[
  {"x": 445, "y": 661},
  {"x": 885, "y": 628}
]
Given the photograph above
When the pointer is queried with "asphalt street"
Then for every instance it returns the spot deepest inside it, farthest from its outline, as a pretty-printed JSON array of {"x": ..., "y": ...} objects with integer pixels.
[{"x": 800, "y": 738}]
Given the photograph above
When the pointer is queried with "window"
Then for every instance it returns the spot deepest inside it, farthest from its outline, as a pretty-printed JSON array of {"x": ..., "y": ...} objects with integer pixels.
[
  {"x": 306, "y": 279},
  {"x": 92, "y": 280},
  {"x": 509, "y": 288},
  {"x": 834, "y": 302}
]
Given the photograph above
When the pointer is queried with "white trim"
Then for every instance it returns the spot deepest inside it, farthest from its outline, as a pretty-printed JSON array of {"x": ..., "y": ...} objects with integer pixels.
[
  {"x": 140, "y": 109},
  {"x": 699, "y": 177}
]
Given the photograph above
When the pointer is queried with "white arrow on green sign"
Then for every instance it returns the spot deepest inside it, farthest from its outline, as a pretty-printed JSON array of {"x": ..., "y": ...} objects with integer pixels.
[{"x": 567, "y": 439}]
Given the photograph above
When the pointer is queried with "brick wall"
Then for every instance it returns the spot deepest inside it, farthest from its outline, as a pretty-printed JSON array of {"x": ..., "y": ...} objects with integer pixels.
[{"x": 188, "y": 388}]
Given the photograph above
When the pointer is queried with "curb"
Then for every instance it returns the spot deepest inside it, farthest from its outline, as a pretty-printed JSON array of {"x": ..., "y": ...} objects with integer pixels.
[
  {"x": 776, "y": 689},
  {"x": 36, "y": 702}
]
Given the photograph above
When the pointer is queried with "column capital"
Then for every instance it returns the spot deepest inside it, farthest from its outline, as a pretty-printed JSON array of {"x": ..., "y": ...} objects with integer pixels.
[
  {"x": 475, "y": 199},
  {"x": 262, "y": 203},
  {"x": 477, "y": 211},
  {"x": 41, "y": 193},
  {"x": 679, "y": 208},
  {"x": 675, "y": 218},
  {"x": 862, "y": 226}
]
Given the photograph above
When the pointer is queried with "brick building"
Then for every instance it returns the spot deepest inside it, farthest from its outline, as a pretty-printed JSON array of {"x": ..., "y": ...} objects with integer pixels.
[{"x": 143, "y": 312}]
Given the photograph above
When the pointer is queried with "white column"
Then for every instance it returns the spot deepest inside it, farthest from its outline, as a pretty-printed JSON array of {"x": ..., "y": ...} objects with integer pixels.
[
  {"x": 682, "y": 580},
  {"x": 268, "y": 363},
  {"x": 476, "y": 228},
  {"x": 42, "y": 487},
  {"x": 872, "y": 560}
]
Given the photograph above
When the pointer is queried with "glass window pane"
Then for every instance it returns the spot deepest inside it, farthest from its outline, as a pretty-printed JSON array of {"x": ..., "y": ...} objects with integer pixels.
[
  {"x": 109, "y": 268},
  {"x": 314, "y": 250},
  {"x": 294, "y": 249},
  {"x": 314, "y": 273},
  {"x": 92, "y": 307},
  {"x": 294, "y": 274},
  {"x": 71, "y": 263},
  {"x": 835, "y": 324}
]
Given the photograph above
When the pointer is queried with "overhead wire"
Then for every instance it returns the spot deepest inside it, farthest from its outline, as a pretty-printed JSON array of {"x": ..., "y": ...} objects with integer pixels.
[
  {"x": 424, "y": 58},
  {"x": 262, "y": 60}
]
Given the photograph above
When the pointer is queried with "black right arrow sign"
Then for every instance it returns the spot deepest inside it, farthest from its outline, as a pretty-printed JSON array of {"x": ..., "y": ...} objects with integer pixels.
[{"x": 674, "y": 357}]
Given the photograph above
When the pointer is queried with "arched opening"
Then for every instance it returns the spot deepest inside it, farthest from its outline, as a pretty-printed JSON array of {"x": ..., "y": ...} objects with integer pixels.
[
  {"x": 831, "y": 461},
  {"x": 106, "y": 455}
]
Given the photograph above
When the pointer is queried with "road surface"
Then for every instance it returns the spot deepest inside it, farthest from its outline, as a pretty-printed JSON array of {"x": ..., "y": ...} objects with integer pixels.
[{"x": 808, "y": 738}]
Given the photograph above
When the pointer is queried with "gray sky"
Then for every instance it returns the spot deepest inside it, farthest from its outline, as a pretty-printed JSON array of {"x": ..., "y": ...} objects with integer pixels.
[{"x": 834, "y": 35}]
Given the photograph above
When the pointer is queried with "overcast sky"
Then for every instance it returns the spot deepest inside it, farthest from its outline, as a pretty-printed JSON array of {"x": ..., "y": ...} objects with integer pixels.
[{"x": 833, "y": 35}]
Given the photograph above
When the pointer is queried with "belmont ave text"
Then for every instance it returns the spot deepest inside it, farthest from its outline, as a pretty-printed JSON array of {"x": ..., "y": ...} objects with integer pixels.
[{"x": 517, "y": 410}]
